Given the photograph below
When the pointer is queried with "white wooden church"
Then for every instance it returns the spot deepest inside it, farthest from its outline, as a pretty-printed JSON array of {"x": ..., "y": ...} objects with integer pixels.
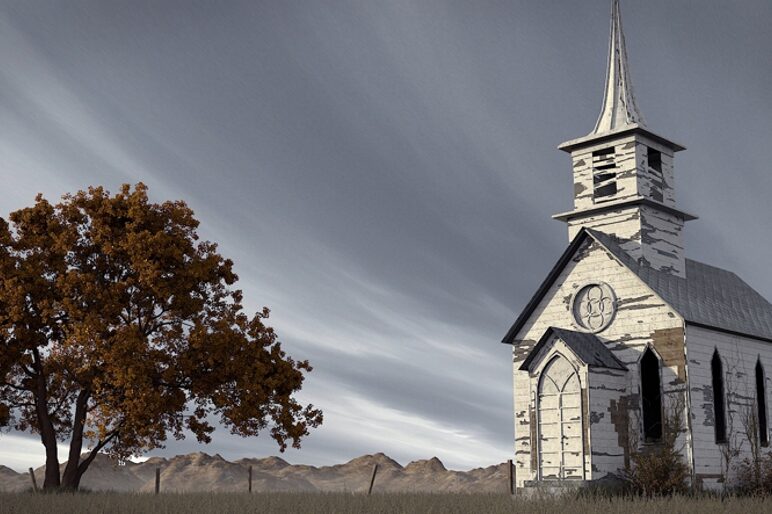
[{"x": 625, "y": 334}]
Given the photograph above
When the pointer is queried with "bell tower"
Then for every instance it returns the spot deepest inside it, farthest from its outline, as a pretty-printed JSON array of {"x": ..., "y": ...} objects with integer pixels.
[{"x": 623, "y": 173}]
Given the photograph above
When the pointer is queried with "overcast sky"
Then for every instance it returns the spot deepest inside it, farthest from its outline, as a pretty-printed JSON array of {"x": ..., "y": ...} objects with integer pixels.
[{"x": 383, "y": 172}]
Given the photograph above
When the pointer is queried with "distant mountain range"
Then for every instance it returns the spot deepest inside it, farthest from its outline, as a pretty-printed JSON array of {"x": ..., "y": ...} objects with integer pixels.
[{"x": 202, "y": 472}]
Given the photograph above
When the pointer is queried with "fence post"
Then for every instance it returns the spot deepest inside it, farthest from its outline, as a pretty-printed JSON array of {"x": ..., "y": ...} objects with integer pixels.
[
  {"x": 250, "y": 478},
  {"x": 372, "y": 480},
  {"x": 511, "y": 477},
  {"x": 34, "y": 481},
  {"x": 157, "y": 480}
]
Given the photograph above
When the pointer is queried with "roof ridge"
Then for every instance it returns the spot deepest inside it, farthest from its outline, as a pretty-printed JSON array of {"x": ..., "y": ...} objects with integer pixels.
[{"x": 701, "y": 263}]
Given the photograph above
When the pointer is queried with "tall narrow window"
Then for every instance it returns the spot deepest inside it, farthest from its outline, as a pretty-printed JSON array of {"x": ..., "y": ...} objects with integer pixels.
[
  {"x": 719, "y": 415},
  {"x": 654, "y": 158},
  {"x": 604, "y": 174},
  {"x": 761, "y": 400},
  {"x": 652, "y": 396}
]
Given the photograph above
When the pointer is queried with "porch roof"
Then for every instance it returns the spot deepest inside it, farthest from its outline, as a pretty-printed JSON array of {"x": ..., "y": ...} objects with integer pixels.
[{"x": 587, "y": 347}]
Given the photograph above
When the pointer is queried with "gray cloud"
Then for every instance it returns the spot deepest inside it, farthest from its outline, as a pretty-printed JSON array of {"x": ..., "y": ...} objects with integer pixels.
[{"x": 383, "y": 173}]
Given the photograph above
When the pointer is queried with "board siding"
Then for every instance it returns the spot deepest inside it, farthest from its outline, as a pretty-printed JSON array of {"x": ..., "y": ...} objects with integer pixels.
[{"x": 739, "y": 356}]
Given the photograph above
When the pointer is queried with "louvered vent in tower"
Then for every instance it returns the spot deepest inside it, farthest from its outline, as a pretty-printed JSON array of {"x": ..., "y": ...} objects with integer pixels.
[{"x": 604, "y": 171}]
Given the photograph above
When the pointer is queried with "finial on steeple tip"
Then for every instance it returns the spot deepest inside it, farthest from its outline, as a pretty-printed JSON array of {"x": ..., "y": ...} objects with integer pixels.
[{"x": 619, "y": 108}]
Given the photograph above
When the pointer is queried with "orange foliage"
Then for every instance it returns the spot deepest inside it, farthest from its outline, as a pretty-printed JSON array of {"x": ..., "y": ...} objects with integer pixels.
[{"x": 119, "y": 326}]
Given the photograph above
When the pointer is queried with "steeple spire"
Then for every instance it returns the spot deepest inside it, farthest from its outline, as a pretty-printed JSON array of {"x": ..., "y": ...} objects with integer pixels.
[
  {"x": 623, "y": 174},
  {"x": 619, "y": 108}
]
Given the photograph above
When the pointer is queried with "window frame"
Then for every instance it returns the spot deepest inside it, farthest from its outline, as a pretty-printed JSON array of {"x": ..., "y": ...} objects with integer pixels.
[
  {"x": 645, "y": 437},
  {"x": 653, "y": 151},
  {"x": 657, "y": 178},
  {"x": 719, "y": 411},
  {"x": 761, "y": 402}
]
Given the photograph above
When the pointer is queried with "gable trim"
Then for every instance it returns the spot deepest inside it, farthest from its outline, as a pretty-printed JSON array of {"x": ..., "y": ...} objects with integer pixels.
[{"x": 509, "y": 338}]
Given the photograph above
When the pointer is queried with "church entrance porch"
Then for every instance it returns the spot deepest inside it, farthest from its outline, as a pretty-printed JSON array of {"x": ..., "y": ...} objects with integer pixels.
[{"x": 574, "y": 380}]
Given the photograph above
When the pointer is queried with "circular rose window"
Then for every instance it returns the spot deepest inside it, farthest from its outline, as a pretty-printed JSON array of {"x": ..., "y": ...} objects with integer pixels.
[{"x": 594, "y": 307}]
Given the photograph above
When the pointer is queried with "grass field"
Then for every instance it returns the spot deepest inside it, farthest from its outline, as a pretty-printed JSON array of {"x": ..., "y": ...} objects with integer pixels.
[{"x": 300, "y": 503}]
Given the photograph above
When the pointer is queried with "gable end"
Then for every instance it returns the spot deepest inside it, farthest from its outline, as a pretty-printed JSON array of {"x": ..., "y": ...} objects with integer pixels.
[
  {"x": 616, "y": 253},
  {"x": 521, "y": 320}
]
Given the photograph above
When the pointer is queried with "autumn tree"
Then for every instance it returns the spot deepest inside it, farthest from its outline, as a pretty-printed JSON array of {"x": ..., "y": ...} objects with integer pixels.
[{"x": 120, "y": 328}]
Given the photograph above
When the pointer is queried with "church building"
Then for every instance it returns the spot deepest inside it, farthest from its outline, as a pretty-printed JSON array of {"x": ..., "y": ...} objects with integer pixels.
[{"x": 627, "y": 341}]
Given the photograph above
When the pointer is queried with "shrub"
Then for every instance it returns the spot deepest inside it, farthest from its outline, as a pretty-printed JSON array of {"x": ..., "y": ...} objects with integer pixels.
[
  {"x": 754, "y": 476},
  {"x": 659, "y": 469}
]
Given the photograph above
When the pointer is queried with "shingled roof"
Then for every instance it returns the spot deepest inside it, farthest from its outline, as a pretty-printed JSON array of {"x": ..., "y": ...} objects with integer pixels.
[
  {"x": 587, "y": 347},
  {"x": 710, "y": 297}
]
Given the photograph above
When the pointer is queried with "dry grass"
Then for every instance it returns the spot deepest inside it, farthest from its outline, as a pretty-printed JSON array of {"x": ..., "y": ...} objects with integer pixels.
[{"x": 342, "y": 503}]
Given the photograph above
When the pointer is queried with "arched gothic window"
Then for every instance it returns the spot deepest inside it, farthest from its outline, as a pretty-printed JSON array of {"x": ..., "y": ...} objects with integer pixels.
[
  {"x": 561, "y": 450},
  {"x": 651, "y": 394},
  {"x": 761, "y": 401},
  {"x": 719, "y": 415}
]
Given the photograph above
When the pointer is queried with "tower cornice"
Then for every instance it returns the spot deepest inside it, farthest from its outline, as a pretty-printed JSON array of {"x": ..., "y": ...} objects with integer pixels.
[
  {"x": 593, "y": 139},
  {"x": 622, "y": 204}
]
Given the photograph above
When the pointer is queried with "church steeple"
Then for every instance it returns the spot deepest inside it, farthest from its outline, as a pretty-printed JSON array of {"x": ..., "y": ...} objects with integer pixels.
[
  {"x": 619, "y": 108},
  {"x": 623, "y": 173}
]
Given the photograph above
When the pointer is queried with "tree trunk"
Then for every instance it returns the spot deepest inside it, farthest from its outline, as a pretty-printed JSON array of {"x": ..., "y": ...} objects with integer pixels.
[
  {"x": 52, "y": 461},
  {"x": 71, "y": 476},
  {"x": 72, "y": 480},
  {"x": 47, "y": 437},
  {"x": 47, "y": 432},
  {"x": 77, "y": 474}
]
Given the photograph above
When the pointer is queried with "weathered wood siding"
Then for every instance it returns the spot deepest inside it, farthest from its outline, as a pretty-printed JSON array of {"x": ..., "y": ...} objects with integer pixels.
[
  {"x": 661, "y": 241},
  {"x": 642, "y": 319},
  {"x": 625, "y": 223},
  {"x": 738, "y": 356},
  {"x": 624, "y": 157},
  {"x": 634, "y": 175},
  {"x": 609, "y": 397}
]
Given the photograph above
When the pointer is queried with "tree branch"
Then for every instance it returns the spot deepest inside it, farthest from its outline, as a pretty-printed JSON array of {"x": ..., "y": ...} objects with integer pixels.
[
  {"x": 95, "y": 450},
  {"x": 14, "y": 386},
  {"x": 28, "y": 371}
]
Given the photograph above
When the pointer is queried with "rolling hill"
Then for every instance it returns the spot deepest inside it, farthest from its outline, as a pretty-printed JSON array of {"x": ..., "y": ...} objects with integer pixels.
[{"x": 203, "y": 472}]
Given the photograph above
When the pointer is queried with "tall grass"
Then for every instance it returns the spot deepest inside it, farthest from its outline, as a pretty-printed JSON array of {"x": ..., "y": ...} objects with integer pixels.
[{"x": 342, "y": 503}]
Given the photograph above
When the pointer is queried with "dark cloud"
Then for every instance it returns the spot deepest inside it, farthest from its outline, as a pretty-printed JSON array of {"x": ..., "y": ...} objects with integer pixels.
[{"x": 383, "y": 173}]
